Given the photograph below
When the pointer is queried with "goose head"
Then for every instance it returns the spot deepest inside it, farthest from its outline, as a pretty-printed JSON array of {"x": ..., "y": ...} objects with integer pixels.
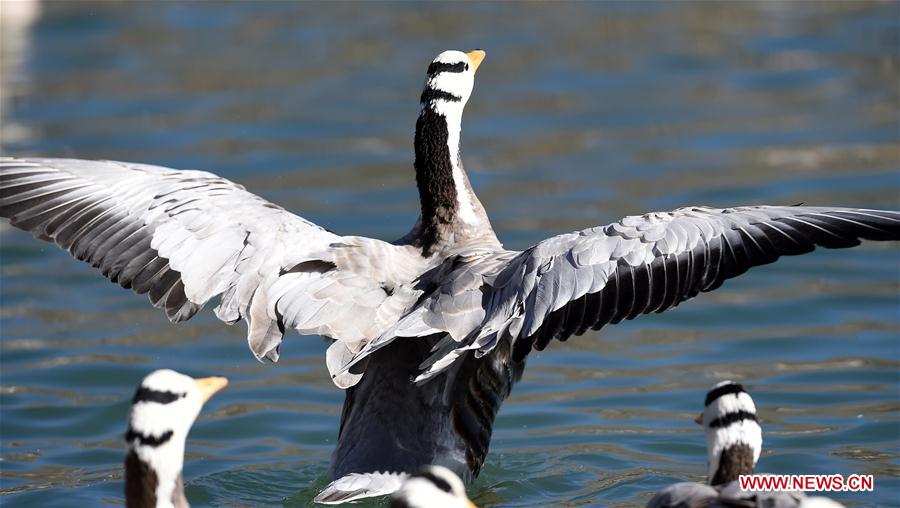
[
  {"x": 733, "y": 434},
  {"x": 451, "y": 77},
  {"x": 163, "y": 410},
  {"x": 432, "y": 487}
]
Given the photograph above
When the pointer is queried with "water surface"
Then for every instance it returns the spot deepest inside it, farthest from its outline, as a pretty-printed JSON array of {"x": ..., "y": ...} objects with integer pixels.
[{"x": 582, "y": 113}]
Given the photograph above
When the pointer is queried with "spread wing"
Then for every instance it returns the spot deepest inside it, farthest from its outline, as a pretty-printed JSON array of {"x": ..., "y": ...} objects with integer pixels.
[
  {"x": 584, "y": 280},
  {"x": 184, "y": 237},
  {"x": 653, "y": 262}
]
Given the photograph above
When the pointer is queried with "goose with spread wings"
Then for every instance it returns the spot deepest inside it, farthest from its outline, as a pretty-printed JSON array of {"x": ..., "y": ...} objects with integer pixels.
[{"x": 435, "y": 326}]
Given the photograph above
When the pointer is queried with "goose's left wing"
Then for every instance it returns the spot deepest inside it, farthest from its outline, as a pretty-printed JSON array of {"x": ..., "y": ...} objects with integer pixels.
[
  {"x": 653, "y": 262},
  {"x": 569, "y": 283}
]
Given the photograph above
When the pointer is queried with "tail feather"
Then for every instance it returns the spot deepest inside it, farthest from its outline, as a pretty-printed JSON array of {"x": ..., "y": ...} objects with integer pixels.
[{"x": 357, "y": 486}]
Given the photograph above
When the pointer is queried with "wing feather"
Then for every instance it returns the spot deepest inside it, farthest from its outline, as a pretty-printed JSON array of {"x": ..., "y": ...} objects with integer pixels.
[
  {"x": 185, "y": 237},
  {"x": 700, "y": 249},
  {"x": 567, "y": 284}
]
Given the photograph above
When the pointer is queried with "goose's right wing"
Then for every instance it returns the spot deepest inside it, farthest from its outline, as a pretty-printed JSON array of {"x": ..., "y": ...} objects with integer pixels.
[{"x": 185, "y": 237}]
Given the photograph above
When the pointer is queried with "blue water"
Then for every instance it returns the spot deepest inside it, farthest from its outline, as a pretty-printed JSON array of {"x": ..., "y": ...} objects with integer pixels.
[{"x": 582, "y": 113}]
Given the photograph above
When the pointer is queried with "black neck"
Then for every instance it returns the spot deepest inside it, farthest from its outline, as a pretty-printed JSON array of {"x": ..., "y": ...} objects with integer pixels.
[
  {"x": 733, "y": 462},
  {"x": 141, "y": 483},
  {"x": 434, "y": 177}
]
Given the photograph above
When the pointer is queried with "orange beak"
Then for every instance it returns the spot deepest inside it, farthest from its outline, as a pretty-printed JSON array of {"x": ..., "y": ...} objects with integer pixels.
[
  {"x": 210, "y": 385},
  {"x": 475, "y": 56}
]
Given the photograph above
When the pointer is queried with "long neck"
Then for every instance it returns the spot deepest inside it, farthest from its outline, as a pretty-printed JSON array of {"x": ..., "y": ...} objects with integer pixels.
[
  {"x": 733, "y": 437},
  {"x": 144, "y": 485},
  {"x": 450, "y": 210},
  {"x": 140, "y": 482},
  {"x": 733, "y": 462}
]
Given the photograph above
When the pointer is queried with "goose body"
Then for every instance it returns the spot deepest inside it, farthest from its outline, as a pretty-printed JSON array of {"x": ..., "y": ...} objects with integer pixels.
[
  {"x": 163, "y": 410},
  {"x": 436, "y": 325}
]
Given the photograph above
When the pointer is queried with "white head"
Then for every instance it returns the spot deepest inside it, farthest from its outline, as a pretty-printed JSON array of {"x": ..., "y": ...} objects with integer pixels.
[
  {"x": 729, "y": 417},
  {"x": 432, "y": 487},
  {"x": 163, "y": 409},
  {"x": 451, "y": 76}
]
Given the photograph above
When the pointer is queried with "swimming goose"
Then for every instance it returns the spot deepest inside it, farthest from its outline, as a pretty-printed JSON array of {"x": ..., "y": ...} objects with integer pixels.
[
  {"x": 432, "y": 487},
  {"x": 733, "y": 445},
  {"x": 733, "y": 434},
  {"x": 435, "y": 326},
  {"x": 163, "y": 409}
]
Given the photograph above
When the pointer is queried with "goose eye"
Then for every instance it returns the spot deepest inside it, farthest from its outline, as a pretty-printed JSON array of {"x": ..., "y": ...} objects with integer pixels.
[{"x": 467, "y": 66}]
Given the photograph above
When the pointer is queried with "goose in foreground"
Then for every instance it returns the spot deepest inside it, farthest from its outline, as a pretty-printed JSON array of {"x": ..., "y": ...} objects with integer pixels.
[
  {"x": 733, "y": 445},
  {"x": 432, "y": 487},
  {"x": 163, "y": 410},
  {"x": 436, "y": 325}
]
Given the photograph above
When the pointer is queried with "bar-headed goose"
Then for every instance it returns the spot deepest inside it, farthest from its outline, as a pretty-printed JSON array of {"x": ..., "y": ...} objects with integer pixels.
[
  {"x": 733, "y": 445},
  {"x": 432, "y": 487},
  {"x": 446, "y": 303},
  {"x": 733, "y": 434},
  {"x": 163, "y": 410}
]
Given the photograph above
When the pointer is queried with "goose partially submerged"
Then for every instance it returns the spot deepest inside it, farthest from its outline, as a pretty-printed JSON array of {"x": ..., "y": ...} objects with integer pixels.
[
  {"x": 432, "y": 487},
  {"x": 163, "y": 410},
  {"x": 435, "y": 326},
  {"x": 733, "y": 445}
]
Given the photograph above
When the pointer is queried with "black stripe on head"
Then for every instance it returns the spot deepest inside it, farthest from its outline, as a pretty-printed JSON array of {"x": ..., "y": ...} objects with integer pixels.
[
  {"x": 436, "y": 480},
  {"x": 431, "y": 94},
  {"x": 147, "y": 440},
  {"x": 439, "y": 67},
  {"x": 730, "y": 388},
  {"x": 728, "y": 419},
  {"x": 149, "y": 395}
]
